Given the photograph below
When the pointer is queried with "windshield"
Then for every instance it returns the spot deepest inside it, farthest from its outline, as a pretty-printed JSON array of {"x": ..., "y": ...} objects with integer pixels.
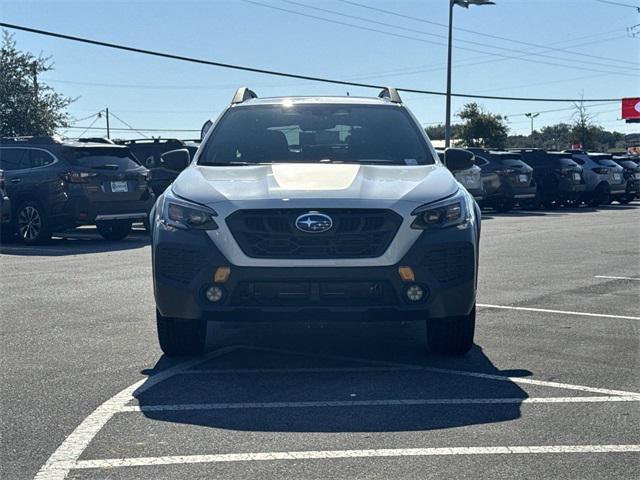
[
  {"x": 316, "y": 134},
  {"x": 102, "y": 158}
]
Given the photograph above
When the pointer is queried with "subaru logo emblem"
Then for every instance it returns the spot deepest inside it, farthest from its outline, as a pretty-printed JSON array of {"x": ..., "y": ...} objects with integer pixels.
[{"x": 314, "y": 222}]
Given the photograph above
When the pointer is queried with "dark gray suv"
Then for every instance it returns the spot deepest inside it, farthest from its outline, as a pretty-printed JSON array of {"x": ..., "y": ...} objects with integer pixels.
[{"x": 55, "y": 185}]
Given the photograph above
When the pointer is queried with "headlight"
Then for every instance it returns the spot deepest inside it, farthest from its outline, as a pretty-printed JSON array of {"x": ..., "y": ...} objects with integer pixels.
[
  {"x": 185, "y": 215},
  {"x": 446, "y": 213}
]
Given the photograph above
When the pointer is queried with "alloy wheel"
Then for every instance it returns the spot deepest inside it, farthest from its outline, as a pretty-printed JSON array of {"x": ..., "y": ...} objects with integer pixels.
[{"x": 29, "y": 223}]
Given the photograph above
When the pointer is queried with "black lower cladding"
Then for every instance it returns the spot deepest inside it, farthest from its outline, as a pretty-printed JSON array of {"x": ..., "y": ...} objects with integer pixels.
[
  {"x": 355, "y": 233},
  {"x": 444, "y": 264}
]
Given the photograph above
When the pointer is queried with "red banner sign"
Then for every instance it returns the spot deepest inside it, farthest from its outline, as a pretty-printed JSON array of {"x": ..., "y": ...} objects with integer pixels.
[{"x": 631, "y": 108}]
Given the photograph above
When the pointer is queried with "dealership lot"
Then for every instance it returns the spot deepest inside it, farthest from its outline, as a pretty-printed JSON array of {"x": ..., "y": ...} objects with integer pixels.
[{"x": 547, "y": 392}]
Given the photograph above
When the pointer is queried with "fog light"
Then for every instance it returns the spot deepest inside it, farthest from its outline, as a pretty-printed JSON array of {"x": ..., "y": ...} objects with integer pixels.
[
  {"x": 214, "y": 294},
  {"x": 414, "y": 293}
]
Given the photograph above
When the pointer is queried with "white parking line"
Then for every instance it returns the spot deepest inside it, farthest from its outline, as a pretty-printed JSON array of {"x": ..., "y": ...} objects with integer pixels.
[
  {"x": 66, "y": 456},
  {"x": 326, "y": 454},
  {"x": 563, "y": 312},
  {"x": 617, "y": 278},
  {"x": 372, "y": 403},
  {"x": 465, "y": 373},
  {"x": 62, "y": 460}
]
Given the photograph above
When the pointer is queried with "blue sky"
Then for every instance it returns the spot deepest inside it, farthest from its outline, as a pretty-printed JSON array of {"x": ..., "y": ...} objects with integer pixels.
[{"x": 588, "y": 51}]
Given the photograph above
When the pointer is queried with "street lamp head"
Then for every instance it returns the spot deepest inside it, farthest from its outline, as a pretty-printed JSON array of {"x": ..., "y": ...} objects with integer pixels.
[{"x": 466, "y": 3}]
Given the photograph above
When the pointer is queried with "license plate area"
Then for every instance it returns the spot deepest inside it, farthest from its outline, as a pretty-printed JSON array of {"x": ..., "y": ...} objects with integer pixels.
[
  {"x": 576, "y": 176},
  {"x": 316, "y": 294},
  {"x": 119, "y": 187},
  {"x": 523, "y": 178}
]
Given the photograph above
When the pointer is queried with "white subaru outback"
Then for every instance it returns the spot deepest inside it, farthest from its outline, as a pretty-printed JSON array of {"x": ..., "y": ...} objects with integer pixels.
[{"x": 324, "y": 208}]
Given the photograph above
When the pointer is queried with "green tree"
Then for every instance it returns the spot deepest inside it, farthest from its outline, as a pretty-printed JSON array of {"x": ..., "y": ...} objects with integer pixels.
[
  {"x": 27, "y": 106},
  {"x": 481, "y": 128},
  {"x": 436, "y": 132}
]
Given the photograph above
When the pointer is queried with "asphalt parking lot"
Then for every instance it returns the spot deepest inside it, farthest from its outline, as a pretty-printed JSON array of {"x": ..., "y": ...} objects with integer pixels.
[{"x": 552, "y": 389}]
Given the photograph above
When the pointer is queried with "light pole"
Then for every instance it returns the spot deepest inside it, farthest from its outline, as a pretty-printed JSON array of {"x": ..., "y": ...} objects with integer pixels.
[
  {"x": 465, "y": 4},
  {"x": 531, "y": 116}
]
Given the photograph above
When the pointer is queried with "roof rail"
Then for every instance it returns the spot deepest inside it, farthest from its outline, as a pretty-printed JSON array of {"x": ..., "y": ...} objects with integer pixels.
[
  {"x": 40, "y": 140},
  {"x": 243, "y": 94},
  {"x": 391, "y": 94}
]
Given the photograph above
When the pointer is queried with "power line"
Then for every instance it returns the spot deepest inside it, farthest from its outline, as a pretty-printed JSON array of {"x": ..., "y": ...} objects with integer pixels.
[
  {"x": 139, "y": 130},
  {"x": 278, "y": 73},
  {"x": 475, "y": 32},
  {"x": 636, "y": 7},
  {"x": 409, "y": 37},
  {"x": 405, "y": 28},
  {"x": 90, "y": 127},
  {"x": 125, "y": 123}
]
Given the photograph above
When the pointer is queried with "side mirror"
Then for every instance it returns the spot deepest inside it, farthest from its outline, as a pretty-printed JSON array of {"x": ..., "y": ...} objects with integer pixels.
[
  {"x": 176, "y": 160},
  {"x": 458, "y": 159}
]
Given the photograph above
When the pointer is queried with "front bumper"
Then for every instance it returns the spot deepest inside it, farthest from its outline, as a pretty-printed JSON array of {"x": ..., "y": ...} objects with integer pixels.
[{"x": 444, "y": 263}]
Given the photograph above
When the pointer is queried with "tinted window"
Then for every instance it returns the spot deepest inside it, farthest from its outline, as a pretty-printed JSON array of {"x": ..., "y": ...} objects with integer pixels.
[
  {"x": 627, "y": 164},
  {"x": 101, "y": 158},
  {"x": 510, "y": 162},
  {"x": 606, "y": 162},
  {"x": 13, "y": 159},
  {"x": 40, "y": 158},
  {"x": 316, "y": 133}
]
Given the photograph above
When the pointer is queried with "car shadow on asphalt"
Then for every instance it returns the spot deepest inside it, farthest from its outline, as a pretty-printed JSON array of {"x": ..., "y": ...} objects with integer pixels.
[
  {"x": 75, "y": 242},
  {"x": 287, "y": 372}
]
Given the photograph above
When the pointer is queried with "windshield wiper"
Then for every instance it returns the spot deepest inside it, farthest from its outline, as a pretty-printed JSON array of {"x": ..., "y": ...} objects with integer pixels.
[{"x": 227, "y": 164}]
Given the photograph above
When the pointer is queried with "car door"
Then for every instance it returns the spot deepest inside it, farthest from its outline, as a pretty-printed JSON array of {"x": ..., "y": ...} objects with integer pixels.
[
  {"x": 15, "y": 163},
  {"x": 44, "y": 181}
]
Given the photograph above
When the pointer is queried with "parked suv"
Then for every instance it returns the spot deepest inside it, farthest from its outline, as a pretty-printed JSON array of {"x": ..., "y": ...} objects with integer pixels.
[
  {"x": 148, "y": 151},
  {"x": 515, "y": 181},
  {"x": 471, "y": 178},
  {"x": 631, "y": 174},
  {"x": 56, "y": 185},
  {"x": 5, "y": 207},
  {"x": 315, "y": 207},
  {"x": 559, "y": 178},
  {"x": 604, "y": 177}
]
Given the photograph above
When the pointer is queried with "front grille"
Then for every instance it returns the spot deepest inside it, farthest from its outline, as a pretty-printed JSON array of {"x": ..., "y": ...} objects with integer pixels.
[
  {"x": 451, "y": 264},
  {"x": 178, "y": 264},
  {"x": 356, "y": 233}
]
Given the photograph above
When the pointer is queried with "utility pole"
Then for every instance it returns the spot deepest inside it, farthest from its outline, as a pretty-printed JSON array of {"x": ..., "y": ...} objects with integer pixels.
[
  {"x": 107, "y": 116},
  {"x": 531, "y": 116},
  {"x": 465, "y": 4},
  {"x": 447, "y": 124},
  {"x": 34, "y": 72}
]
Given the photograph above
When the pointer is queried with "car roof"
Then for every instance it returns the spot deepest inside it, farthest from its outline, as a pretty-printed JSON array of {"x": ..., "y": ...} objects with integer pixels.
[{"x": 335, "y": 100}]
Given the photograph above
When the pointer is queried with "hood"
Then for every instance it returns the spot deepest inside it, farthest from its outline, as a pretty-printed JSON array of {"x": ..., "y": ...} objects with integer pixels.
[{"x": 210, "y": 185}]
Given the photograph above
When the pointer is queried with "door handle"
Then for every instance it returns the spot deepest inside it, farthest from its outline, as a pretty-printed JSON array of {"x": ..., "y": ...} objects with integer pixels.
[{"x": 16, "y": 180}]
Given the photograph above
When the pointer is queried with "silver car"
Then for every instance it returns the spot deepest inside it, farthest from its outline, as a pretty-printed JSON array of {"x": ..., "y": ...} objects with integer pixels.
[{"x": 604, "y": 178}]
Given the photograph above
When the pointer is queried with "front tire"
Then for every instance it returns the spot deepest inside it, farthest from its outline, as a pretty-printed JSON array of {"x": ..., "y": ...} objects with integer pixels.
[
  {"x": 114, "y": 229},
  {"x": 451, "y": 335},
  {"x": 181, "y": 337}
]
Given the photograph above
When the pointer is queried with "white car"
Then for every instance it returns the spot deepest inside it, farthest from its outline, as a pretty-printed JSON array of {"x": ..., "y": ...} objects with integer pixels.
[{"x": 325, "y": 208}]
